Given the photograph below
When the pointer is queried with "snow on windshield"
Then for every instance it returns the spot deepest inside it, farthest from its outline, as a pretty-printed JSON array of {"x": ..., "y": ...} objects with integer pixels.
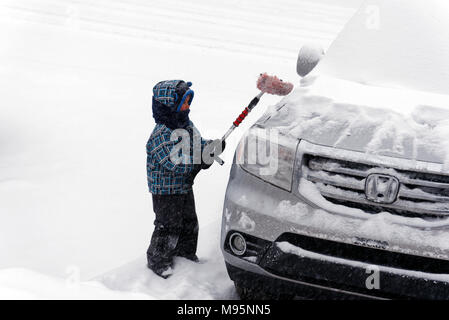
[{"x": 394, "y": 43}]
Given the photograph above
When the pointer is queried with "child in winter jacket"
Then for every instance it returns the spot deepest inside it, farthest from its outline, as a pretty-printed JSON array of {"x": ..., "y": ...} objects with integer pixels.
[{"x": 170, "y": 180}]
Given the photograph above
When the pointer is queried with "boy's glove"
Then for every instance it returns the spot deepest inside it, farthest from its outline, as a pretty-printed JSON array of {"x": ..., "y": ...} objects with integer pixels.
[
  {"x": 196, "y": 169},
  {"x": 218, "y": 149}
]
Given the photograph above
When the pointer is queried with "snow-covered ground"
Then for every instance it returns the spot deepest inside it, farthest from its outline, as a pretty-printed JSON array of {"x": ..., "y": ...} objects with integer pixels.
[{"x": 75, "y": 88}]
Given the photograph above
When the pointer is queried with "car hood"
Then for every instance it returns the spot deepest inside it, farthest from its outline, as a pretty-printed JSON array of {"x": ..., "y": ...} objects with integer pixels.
[{"x": 347, "y": 115}]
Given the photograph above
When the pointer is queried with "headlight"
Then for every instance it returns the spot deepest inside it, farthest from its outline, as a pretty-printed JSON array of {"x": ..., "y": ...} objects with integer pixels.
[{"x": 268, "y": 155}]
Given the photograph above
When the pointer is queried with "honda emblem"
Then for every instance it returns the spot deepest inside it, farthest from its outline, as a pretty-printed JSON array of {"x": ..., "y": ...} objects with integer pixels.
[{"x": 381, "y": 188}]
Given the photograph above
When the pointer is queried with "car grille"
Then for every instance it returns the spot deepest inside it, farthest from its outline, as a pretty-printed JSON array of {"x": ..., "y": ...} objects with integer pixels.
[{"x": 424, "y": 195}]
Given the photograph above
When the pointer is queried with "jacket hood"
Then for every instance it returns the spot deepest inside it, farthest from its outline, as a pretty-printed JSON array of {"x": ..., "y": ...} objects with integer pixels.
[
  {"x": 173, "y": 93},
  {"x": 170, "y": 118}
]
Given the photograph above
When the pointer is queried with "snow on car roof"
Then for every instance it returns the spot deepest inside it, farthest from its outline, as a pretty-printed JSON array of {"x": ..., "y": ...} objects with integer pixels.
[{"x": 394, "y": 43}]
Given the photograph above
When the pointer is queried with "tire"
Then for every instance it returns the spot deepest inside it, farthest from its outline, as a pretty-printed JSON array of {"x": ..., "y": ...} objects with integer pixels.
[{"x": 248, "y": 293}]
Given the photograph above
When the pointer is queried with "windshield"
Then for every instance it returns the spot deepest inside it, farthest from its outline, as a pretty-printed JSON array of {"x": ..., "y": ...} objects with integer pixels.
[{"x": 394, "y": 43}]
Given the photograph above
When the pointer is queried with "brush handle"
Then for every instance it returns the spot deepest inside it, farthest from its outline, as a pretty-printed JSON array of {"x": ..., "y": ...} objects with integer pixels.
[
  {"x": 228, "y": 133},
  {"x": 240, "y": 119}
]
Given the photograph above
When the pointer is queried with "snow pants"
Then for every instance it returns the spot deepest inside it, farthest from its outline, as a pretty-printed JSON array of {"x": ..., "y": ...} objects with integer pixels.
[{"x": 175, "y": 232}]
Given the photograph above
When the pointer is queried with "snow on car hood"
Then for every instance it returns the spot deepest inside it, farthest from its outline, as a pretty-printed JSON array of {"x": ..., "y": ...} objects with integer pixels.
[{"x": 382, "y": 121}]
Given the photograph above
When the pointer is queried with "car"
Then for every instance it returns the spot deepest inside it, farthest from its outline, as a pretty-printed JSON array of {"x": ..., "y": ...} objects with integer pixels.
[{"x": 341, "y": 190}]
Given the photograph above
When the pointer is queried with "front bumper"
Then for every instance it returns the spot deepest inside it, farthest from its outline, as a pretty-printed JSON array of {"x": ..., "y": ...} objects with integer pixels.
[
  {"x": 312, "y": 276},
  {"x": 279, "y": 285}
]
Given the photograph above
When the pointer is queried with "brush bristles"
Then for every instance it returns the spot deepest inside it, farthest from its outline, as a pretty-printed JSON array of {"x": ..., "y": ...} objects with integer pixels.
[{"x": 273, "y": 85}]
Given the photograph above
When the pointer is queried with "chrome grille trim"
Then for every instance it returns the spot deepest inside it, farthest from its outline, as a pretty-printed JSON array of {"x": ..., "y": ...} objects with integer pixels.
[
  {"x": 399, "y": 205},
  {"x": 341, "y": 177}
]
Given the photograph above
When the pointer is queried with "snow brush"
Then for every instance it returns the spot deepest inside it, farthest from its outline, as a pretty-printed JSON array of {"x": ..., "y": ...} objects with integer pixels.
[{"x": 266, "y": 84}]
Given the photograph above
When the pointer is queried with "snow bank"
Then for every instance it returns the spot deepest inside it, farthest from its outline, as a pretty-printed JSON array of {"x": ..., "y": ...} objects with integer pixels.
[
  {"x": 25, "y": 284},
  {"x": 205, "y": 280}
]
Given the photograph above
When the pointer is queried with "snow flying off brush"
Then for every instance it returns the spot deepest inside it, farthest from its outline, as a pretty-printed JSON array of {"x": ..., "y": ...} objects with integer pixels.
[{"x": 266, "y": 84}]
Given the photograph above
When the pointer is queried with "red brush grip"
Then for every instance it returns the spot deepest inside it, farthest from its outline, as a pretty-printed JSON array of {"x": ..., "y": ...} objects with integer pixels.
[{"x": 241, "y": 117}]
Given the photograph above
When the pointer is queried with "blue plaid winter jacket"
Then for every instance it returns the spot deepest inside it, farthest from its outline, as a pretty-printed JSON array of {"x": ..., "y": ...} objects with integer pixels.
[{"x": 165, "y": 176}]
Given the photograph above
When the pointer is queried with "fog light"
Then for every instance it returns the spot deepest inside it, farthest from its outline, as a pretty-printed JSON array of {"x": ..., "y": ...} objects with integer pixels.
[{"x": 237, "y": 244}]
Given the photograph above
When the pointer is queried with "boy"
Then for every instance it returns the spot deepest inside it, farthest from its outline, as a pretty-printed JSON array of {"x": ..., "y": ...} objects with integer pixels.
[{"x": 170, "y": 182}]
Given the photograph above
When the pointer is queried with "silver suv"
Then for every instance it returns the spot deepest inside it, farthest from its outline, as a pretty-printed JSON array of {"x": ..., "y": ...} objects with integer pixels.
[{"x": 351, "y": 199}]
